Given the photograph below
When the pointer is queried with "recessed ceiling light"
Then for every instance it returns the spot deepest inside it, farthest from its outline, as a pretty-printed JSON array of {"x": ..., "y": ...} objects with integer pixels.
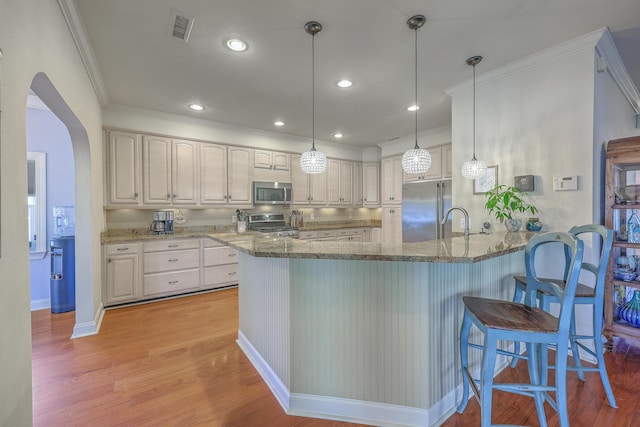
[
  {"x": 236, "y": 45},
  {"x": 279, "y": 123},
  {"x": 413, "y": 108},
  {"x": 337, "y": 135},
  {"x": 345, "y": 83},
  {"x": 196, "y": 107}
]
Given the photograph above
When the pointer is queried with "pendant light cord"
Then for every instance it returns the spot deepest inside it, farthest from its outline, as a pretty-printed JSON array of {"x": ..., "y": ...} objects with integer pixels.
[
  {"x": 416, "y": 85},
  {"x": 313, "y": 93},
  {"x": 474, "y": 112}
]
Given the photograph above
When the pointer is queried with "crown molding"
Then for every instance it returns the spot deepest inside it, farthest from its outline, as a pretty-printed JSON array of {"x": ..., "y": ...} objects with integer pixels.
[
  {"x": 607, "y": 50},
  {"x": 586, "y": 41},
  {"x": 81, "y": 40}
]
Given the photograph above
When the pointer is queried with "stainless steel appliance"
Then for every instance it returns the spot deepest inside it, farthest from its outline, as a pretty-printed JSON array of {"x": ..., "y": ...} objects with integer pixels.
[
  {"x": 423, "y": 206},
  {"x": 162, "y": 222},
  {"x": 271, "y": 193},
  {"x": 273, "y": 224}
]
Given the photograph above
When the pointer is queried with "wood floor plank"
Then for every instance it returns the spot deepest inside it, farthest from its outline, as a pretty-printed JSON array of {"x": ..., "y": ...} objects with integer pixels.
[{"x": 176, "y": 363}]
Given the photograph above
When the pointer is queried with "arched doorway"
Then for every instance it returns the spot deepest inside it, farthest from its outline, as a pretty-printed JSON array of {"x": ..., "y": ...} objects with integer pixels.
[{"x": 88, "y": 317}]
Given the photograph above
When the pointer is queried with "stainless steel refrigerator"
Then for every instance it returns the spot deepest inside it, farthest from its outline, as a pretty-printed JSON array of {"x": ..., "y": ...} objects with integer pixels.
[{"x": 423, "y": 206}]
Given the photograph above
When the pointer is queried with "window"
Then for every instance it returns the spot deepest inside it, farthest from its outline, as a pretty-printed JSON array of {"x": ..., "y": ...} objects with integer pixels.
[{"x": 37, "y": 202}]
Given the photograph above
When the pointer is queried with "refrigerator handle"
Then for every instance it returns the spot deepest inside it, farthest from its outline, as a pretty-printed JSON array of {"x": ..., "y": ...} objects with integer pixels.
[{"x": 439, "y": 214}]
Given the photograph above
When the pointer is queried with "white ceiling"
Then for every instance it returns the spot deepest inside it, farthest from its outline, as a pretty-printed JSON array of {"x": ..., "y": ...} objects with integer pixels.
[{"x": 366, "y": 41}]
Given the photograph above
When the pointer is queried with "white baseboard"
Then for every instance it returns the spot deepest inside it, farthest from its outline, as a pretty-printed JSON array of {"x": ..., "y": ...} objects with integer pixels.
[
  {"x": 40, "y": 304},
  {"x": 89, "y": 328}
]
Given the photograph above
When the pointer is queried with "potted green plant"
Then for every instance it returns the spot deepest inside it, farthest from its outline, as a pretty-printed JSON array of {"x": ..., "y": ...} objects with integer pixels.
[{"x": 503, "y": 201}]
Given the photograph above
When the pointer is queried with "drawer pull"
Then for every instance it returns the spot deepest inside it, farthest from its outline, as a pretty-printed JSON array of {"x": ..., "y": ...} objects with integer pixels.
[
  {"x": 173, "y": 246},
  {"x": 122, "y": 249},
  {"x": 173, "y": 260},
  {"x": 173, "y": 282},
  {"x": 232, "y": 254},
  {"x": 232, "y": 273}
]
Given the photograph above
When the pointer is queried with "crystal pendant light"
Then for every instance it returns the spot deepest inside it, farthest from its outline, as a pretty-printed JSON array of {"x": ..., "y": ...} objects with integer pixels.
[
  {"x": 418, "y": 159},
  {"x": 474, "y": 168},
  {"x": 313, "y": 161}
]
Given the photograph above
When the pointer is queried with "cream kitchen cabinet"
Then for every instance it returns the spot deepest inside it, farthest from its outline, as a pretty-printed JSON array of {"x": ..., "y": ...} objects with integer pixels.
[
  {"x": 371, "y": 184},
  {"x": 340, "y": 182},
  {"x": 220, "y": 265},
  {"x": 440, "y": 165},
  {"x": 121, "y": 273},
  {"x": 170, "y": 267},
  {"x": 391, "y": 180},
  {"x": 308, "y": 189},
  {"x": 392, "y": 224},
  {"x": 169, "y": 171},
  {"x": 123, "y": 168},
  {"x": 358, "y": 198},
  {"x": 225, "y": 175},
  {"x": 273, "y": 160}
]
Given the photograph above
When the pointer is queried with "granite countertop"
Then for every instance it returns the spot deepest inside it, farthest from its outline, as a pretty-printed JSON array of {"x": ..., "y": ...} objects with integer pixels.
[{"x": 478, "y": 247}]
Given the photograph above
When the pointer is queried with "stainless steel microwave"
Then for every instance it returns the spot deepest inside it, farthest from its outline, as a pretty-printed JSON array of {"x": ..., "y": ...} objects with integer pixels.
[{"x": 271, "y": 193}]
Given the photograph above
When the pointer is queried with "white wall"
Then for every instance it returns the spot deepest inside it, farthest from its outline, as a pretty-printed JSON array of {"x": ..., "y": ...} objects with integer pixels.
[
  {"x": 34, "y": 39},
  {"x": 426, "y": 139}
]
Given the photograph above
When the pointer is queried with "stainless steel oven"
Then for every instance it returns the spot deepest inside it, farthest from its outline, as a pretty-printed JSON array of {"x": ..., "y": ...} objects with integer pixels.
[{"x": 271, "y": 193}]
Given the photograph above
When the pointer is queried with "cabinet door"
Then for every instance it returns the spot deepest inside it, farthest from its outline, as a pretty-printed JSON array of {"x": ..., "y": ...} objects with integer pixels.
[
  {"x": 371, "y": 184},
  {"x": 333, "y": 186},
  {"x": 239, "y": 175},
  {"x": 124, "y": 168},
  {"x": 357, "y": 184},
  {"x": 122, "y": 278},
  {"x": 213, "y": 174},
  {"x": 435, "y": 170},
  {"x": 346, "y": 183},
  {"x": 281, "y": 161},
  {"x": 392, "y": 225},
  {"x": 156, "y": 168},
  {"x": 299, "y": 183},
  {"x": 318, "y": 188},
  {"x": 184, "y": 172},
  {"x": 447, "y": 162},
  {"x": 262, "y": 159},
  {"x": 391, "y": 181}
]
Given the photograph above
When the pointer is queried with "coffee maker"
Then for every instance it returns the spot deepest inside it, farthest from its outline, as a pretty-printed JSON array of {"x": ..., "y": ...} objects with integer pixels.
[{"x": 162, "y": 222}]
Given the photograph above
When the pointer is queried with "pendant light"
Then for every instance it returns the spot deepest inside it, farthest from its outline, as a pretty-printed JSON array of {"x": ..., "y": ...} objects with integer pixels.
[
  {"x": 474, "y": 168},
  {"x": 313, "y": 161},
  {"x": 418, "y": 159}
]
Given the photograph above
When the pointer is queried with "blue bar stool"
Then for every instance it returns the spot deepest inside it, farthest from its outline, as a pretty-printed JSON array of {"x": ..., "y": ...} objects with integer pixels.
[
  {"x": 584, "y": 295},
  {"x": 511, "y": 321}
]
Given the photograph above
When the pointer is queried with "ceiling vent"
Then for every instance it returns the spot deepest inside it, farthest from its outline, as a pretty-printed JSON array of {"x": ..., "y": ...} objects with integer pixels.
[{"x": 180, "y": 26}]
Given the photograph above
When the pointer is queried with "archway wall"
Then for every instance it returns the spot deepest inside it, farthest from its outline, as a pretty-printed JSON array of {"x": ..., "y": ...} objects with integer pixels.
[{"x": 34, "y": 38}]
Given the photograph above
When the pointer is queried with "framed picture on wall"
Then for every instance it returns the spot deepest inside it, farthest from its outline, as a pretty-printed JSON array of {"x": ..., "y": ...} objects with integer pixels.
[{"x": 487, "y": 182}]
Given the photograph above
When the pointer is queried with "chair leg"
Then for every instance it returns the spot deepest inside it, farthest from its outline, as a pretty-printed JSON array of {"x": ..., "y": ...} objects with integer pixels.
[
  {"x": 575, "y": 351},
  {"x": 464, "y": 360},
  {"x": 597, "y": 341},
  {"x": 486, "y": 378},
  {"x": 561, "y": 385},
  {"x": 533, "y": 351},
  {"x": 517, "y": 297}
]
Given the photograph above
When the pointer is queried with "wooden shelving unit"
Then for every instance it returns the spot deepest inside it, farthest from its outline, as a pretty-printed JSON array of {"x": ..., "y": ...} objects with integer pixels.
[{"x": 622, "y": 171}]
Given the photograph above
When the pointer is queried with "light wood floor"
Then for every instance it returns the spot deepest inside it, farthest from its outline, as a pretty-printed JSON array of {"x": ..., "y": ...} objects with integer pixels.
[{"x": 176, "y": 363}]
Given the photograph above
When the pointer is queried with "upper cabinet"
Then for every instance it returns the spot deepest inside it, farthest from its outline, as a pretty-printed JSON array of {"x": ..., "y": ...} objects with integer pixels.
[
  {"x": 358, "y": 187},
  {"x": 123, "y": 168},
  {"x": 271, "y": 166},
  {"x": 371, "y": 184},
  {"x": 307, "y": 189},
  {"x": 155, "y": 171},
  {"x": 440, "y": 165},
  {"x": 340, "y": 182},
  {"x": 391, "y": 181}
]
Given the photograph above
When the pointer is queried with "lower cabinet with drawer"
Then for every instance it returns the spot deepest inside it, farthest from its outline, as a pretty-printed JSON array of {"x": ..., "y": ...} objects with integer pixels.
[
  {"x": 220, "y": 265},
  {"x": 340, "y": 235},
  {"x": 146, "y": 270},
  {"x": 170, "y": 267}
]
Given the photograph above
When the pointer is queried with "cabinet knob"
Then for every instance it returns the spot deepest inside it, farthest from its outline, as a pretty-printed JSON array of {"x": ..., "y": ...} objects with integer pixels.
[
  {"x": 168, "y": 196},
  {"x": 135, "y": 195}
]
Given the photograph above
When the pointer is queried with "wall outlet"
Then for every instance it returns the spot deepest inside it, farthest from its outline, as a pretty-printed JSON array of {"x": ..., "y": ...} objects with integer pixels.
[
  {"x": 312, "y": 217},
  {"x": 234, "y": 219},
  {"x": 462, "y": 223}
]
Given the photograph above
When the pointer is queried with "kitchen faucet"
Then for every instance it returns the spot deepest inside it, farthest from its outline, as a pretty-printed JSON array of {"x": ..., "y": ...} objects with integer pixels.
[{"x": 466, "y": 218}]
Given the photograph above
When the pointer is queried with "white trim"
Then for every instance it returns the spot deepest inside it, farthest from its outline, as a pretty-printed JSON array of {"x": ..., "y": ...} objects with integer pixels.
[
  {"x": 607, "y": 49},
  {"x": 277, "y": 387},
  {"x": 587, "y": 41},
  {"x": 40, "y": 304},
  {"x": 81, "y": 40},
  {"x": 89, "y": 328}
]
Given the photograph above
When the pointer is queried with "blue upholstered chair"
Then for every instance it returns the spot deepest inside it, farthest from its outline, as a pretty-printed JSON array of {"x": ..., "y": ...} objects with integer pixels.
[
  {"x": 584, "y": 295},
  {"x": 537, "y": 328}
]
